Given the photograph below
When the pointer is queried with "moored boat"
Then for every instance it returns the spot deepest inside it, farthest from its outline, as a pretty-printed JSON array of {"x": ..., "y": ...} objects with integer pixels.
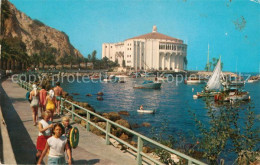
[
  {"x": 253, "y": 79},
  {"x": 214, "y": 84},
  {"x": 148, "y": 85}
]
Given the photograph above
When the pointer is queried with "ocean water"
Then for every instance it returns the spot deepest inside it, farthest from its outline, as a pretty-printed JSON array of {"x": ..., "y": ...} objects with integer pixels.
[{"x": 172, "y": 104}]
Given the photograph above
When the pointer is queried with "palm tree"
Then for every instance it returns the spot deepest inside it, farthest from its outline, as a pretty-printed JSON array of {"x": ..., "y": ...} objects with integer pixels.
[
  {"x": 93, "y": 57},
  {"x": 85, "y": 61},
  {"x": 35, "y": 59},
  {"x": 105, "y": 61}
]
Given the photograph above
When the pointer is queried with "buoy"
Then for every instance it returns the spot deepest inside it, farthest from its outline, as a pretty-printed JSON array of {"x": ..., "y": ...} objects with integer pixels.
[{"x": 74, "y": 137}]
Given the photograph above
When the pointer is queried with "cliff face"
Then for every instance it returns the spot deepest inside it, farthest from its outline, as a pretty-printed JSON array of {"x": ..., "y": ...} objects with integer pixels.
[{"x": 36, "y": 35}]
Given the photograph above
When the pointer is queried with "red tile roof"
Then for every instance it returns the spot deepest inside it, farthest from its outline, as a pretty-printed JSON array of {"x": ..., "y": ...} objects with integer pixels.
[{"x": 156, "y": 35}]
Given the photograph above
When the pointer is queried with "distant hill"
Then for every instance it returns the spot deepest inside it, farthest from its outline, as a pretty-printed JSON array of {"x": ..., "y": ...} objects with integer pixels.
[{"x": 33, "y": 36}]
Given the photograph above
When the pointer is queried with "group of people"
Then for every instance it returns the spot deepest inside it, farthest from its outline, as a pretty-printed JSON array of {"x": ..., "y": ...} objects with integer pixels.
[
  {"x": 52, "y": 138},
  {"x": 46, "y": 102}
]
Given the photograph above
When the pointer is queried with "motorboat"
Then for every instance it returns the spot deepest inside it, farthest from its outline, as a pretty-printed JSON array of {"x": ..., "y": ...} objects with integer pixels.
[{"x": 148, "y": 84}]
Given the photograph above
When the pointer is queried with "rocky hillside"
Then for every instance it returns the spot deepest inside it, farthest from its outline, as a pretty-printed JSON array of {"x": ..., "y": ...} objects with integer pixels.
[{"x": 36, "y": 36}]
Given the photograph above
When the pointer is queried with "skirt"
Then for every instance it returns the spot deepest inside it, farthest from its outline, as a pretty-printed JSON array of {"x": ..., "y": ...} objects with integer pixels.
[{"x": 41, "y": 142}]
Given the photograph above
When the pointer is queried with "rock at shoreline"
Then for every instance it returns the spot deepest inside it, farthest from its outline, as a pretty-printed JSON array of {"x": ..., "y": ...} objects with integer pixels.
[
  {"x": 126, "y": 113},
  {"x": 97, "y": 119},
  {"x": 124, "y": 136},
  {"x": 83, "y": 123},
  {"x": 112, "y": 116},
  {"x": 100, "y": 98},
  {"x": 145, "y": 124},
  {"x": 100, "y": 93},
  {"x": 133, "y": 143},
  {"x": 77, "y": 120},
  {"x": 96, "y": 130},
  {"x": 135, "y": 125},
  {"x": 81, "y": 112},
  {"x": 146, "y": 149},
  {"x": 75, "y": 94}
]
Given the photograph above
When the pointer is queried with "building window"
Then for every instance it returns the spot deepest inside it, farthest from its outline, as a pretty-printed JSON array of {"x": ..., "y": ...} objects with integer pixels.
[
  {"x": 106, "y": 46},
  {"x": 111, "y": 46}
]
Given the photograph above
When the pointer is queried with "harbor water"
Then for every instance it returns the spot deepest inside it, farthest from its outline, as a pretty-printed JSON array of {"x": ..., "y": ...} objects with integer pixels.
[{"x": 173, "y": 104}]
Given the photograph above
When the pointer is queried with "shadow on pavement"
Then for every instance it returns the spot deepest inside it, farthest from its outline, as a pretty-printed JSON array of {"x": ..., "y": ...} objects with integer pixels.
[{"x": 23, "y": 147}]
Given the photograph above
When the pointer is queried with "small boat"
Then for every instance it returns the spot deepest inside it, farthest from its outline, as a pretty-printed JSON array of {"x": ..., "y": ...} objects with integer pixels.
[
  {"x": 253, "y": 79},
  {"x": 146, "y": 111},
  {"x": 195, "y": 81},
  {"x": 241, "y": 96},
  {"x": 121, "y": 78},
  {"x": 147, "y": 84},
  {"x": 149, "y": 74}
]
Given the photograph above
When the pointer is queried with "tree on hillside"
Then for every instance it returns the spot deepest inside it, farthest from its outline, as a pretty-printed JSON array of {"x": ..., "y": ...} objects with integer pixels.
[
  {"x": 79, "y": 60},
  {"x": 13, "y": 54},
  {"x": 5, "y": 14}
]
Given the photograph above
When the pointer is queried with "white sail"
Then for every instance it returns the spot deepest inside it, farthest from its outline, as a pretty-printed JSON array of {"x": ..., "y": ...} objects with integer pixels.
[{"x": 214, "y": 82}]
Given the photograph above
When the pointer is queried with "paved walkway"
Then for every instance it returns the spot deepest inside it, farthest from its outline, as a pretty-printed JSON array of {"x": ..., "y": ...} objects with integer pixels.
[{"x": 18, "y": 117}]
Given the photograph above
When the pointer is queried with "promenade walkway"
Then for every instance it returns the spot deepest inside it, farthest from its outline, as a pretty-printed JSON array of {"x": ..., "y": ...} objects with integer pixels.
[{"x": 18, "y": 117}]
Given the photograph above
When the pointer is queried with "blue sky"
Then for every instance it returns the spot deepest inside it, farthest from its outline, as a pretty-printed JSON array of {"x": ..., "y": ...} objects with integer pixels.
[{"x": 89, "y": 23}]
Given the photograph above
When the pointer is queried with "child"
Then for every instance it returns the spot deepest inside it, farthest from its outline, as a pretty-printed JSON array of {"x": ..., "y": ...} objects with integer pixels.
[
  {"x": 56, "y": 144},
  {"x": 50, "y": 103},
  {"x": 45, "y": 128},
  {"x": 67, "y": 127}
]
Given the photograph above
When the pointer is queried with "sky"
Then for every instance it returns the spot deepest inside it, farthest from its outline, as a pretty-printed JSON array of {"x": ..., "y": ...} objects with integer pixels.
[{"x": 89, "y": 23}]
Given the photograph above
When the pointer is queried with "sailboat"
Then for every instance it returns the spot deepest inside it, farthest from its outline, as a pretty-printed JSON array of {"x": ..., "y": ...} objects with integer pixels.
[{"x": 213, "y": 86}]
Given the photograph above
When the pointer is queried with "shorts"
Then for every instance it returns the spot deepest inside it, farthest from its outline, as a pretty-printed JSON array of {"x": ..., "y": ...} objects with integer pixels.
[
  {"x": 58, "y": 98},
  {"x": 56, "y": 160},
  {"x": 41, "y": 142}
]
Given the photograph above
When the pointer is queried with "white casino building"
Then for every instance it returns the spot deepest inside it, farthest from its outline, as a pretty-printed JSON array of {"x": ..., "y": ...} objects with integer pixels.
[{"x": 149, "y": 51}]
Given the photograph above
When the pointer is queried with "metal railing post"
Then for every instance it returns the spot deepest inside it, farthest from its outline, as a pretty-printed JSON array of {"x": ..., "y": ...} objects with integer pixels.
[
  {"x": 139, "y": 150},
  {"x": 108, "y": 128},
  {"x": 87, "y": 124},
  {"x": 61, "y": 105},
  {"x": 73, "y": 110}
]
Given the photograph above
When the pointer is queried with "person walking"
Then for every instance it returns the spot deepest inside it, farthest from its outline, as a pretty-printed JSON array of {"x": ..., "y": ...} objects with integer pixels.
[
  {"x": 34, "y": 97},
  {"x": 56, "y": 144},
  {"x": 45, "y": 132},
  {"x": 43, "y": 94},
  {"x": 58, "y": 93},
  {"x": 50, "y": 103}
]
